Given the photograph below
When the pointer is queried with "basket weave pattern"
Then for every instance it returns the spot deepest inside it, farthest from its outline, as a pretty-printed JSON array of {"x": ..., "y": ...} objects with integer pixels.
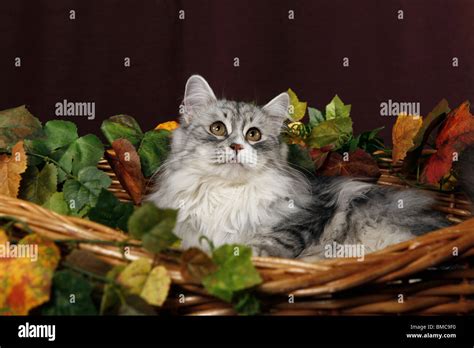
[{"x": 401, "y": 279}]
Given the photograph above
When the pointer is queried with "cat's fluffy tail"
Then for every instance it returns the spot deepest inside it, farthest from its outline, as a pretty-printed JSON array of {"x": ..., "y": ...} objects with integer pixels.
[{"x": 465, "y": 171}]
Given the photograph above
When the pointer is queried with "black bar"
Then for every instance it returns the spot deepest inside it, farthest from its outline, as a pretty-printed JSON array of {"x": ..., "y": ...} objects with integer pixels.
[{"x": 242, "y": 330}]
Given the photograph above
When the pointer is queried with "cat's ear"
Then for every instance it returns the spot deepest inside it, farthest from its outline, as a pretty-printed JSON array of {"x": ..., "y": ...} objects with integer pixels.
[
  {"x": 198, "y": 94},
  {"x": 278, "y": 107}
]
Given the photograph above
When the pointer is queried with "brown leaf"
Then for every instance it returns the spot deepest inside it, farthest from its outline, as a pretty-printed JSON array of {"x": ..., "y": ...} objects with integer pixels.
[
  {"x": 11, "y": 168},
  {"x": 403, "y": 134},
  {"x": 196, "y": 264},
  {"x": 454, "y": 137},
  {"x": 125, "y": 162},
  {"x": 359, "y": 163}
]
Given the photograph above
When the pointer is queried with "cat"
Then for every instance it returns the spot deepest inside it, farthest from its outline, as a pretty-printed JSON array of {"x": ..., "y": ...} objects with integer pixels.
[{"x": 228, "y": 175}]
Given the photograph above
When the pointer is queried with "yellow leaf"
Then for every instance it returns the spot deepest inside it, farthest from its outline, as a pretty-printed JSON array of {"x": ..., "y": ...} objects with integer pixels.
[
  {"x": 151, "y": 284},
  {"x": 297, "y": 108},
  {"x": 170, "y": 125},
  {"x": 403, "y": 133},
  {"x": 25, "y": 279},
  {"x": 156, "y": 286},
  {"x": 10, "y": 169},
  {"x": 133, "y": 277}
]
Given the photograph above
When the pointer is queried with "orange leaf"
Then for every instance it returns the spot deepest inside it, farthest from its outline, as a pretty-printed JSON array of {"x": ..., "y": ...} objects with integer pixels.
[
  {"x": 403, "y": 134},
  {"x": 25, "y": 278},
  {"x": 454, "y": 137},
  {"x": 10, "y": 169},
  {"x": 170, "y": 125}
]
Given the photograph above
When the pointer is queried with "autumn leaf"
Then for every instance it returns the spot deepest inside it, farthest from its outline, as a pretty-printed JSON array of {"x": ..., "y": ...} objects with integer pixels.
[
  {"x": 403, "y": 134},
  {"x": 170, "y": 125},
  {"x": 156, "y": 287},
  {"x": 11, "y": 168},
  {"x": 25, "y": 283},
  {"x": 196, "y": 264},
  {"x": 17, "y": 124},
  {"x": 432, "y": 119},
  {"x": 454, "y": 137},
  {"x": 125, "y": 162},
  {"x": 358, "y": 164},
  {"x": 297, "y": 108},
  {"x": 150, "y": 283}
]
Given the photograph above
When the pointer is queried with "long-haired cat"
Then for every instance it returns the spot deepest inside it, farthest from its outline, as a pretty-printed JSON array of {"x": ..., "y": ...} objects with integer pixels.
[{"x": 228, "y": 175}]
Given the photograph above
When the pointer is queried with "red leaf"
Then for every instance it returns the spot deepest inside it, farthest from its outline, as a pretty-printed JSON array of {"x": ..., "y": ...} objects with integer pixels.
[
  {"x": 454, "y": 137},
  {"x": 319, "y": 156},
  {"x": 359, "y": 163}
]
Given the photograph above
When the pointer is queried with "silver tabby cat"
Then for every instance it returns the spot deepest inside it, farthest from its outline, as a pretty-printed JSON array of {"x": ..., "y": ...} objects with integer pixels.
[{"x": 228, "y": 175}]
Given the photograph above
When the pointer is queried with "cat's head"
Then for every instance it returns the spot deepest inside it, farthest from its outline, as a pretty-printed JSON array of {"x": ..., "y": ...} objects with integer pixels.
[{"x": 230, "y": 139}]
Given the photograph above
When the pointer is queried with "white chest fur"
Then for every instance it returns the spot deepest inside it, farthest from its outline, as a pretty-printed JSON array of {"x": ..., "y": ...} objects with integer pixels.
[{"x": 224, "y": 213}]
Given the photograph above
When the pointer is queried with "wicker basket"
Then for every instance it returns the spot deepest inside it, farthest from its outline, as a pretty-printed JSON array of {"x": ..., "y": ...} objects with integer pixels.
[{"x": 420, "y": 276}]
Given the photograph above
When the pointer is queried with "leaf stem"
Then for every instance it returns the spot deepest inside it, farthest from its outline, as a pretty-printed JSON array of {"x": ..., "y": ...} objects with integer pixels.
[
  {"x": 56, "y": 163},
  {"x": 87, "y": 273}
]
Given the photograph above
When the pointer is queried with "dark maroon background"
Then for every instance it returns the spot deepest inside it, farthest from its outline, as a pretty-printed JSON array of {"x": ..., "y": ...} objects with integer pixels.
[{"x": 82, "y": 59}]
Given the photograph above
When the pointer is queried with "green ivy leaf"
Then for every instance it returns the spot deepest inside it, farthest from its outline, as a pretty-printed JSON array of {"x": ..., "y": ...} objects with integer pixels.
[
  {"x": 17, "y": 124},
  {"x": 315, "y": 117},
  {"x": 235, "y": 272},
  {"x": 86, "y": 189},
  {"x": 59, "y": 134},
  {"x": 153, "y": 226},
  {"x": 57, "y": 203},
  {"x": 66, "y": 284},
  {"x": 122, "y": 126},
  {"x": 38, "y": 186},
  {"x": 331, "y": 132},
  {"x": 83, "y": 152},
  {"x": 110, "y": 211},
  {"x": 336, "y": 109},
  {"x": 113, "y": 295},
  {"x": 246, "y": 303},
  {"x": 153, "y": 150},
  {"x": 161, "y": 236},
  {"x": 300, "y": 158}
]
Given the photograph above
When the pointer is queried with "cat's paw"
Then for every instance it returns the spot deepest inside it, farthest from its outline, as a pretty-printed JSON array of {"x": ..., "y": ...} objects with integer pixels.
[{"x": 259, "y": 251}]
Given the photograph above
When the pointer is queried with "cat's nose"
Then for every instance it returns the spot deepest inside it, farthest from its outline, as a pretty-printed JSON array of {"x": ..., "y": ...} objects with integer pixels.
[{"x": 236, "y": 147}]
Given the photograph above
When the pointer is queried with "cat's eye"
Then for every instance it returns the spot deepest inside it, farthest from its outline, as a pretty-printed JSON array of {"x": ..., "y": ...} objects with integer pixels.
[
  {"x": 253, "y": 134},
  {"x": 218, "y": 128}
]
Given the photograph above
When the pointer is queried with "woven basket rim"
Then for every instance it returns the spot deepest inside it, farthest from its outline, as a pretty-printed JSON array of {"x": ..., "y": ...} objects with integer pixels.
[{"x": 321, "y": 286}]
